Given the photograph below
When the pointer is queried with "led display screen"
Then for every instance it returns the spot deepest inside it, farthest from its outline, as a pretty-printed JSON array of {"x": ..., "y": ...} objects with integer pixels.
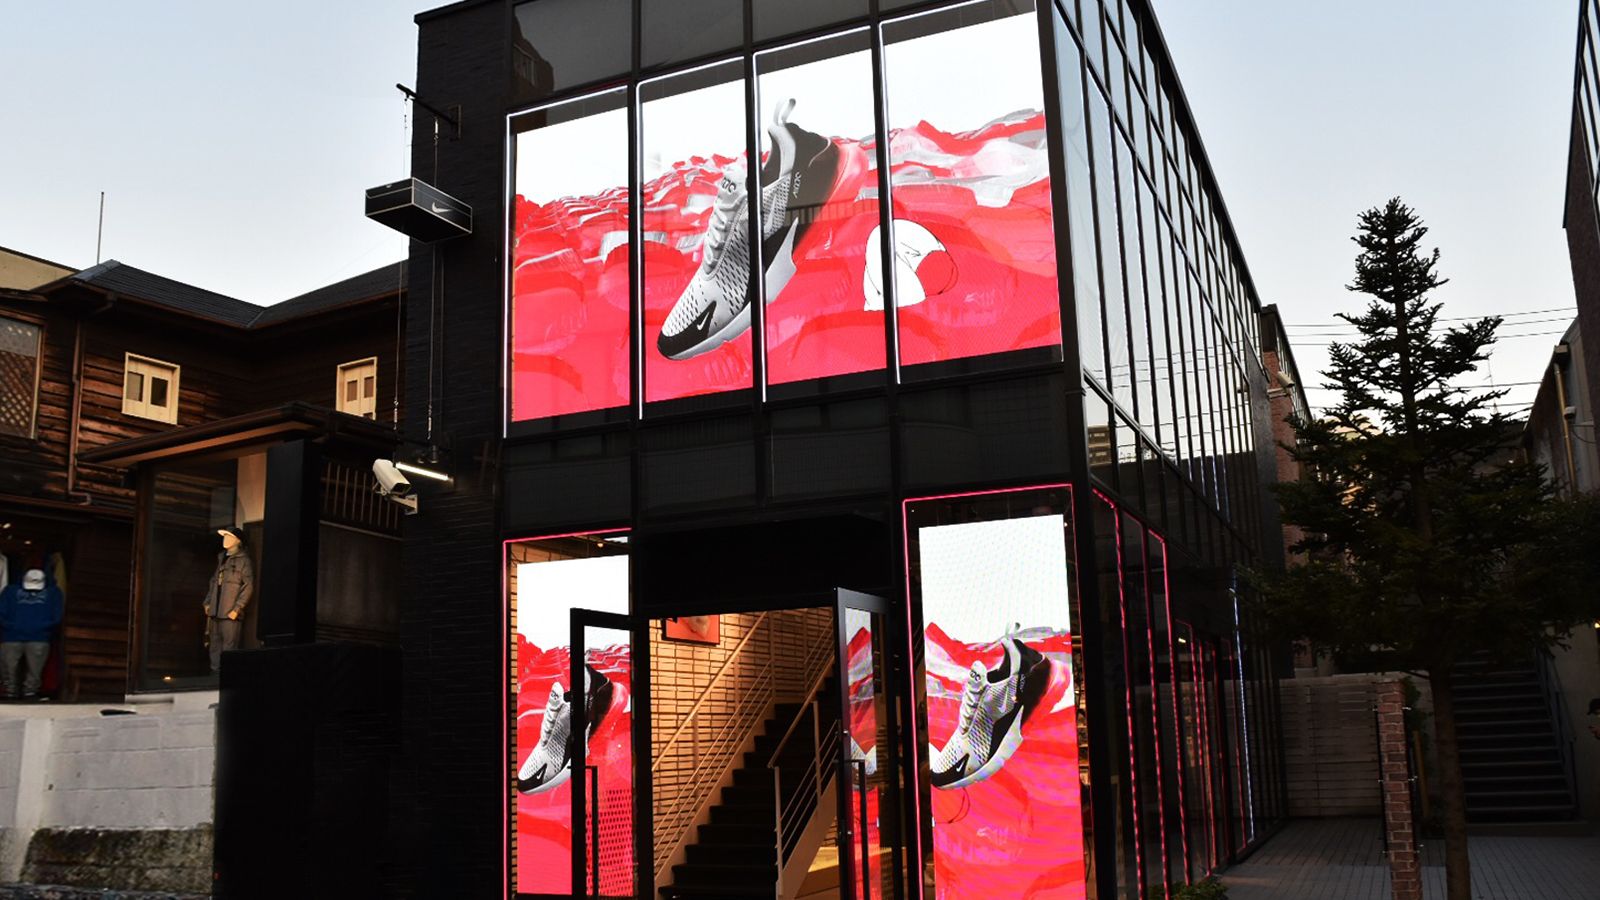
[
  {"x": 819, "y": 202},
  {"x": 569, "y": 261},
  {"x": 1004, "y": 790},
  {"x": 544, "y": 594},
  {"x": 696, "y": 217},
  {"x": 975, "y": 263},
  {"x": 967, "y": 253}
]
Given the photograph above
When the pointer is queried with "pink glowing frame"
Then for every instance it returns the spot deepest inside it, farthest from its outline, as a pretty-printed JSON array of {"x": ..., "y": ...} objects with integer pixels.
[
  {"x": 1127, "y": 690},
  {"x": 1155, "y": 711},
  {"x": 505, "y": 689},
  {"x": 1177, "y": 715},
  {"x": 913, "y": 687}
]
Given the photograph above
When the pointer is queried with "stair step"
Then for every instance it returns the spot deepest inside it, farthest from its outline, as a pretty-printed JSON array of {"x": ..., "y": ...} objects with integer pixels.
[
  {"x": 736, "y": 833},
  {"x": 760, "y": 796},
  {"x": 722, "y": 814},
  {"x": 742, "y": 854},
  {"x": 746, "y": 878}
]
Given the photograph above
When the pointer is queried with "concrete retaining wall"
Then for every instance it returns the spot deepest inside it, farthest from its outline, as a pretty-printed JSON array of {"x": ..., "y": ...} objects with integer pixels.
[{"x": 118, "y": 801}]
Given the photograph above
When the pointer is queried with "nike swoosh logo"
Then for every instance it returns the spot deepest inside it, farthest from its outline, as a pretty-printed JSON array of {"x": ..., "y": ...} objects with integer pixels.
[{"x": 439, "y": 209}]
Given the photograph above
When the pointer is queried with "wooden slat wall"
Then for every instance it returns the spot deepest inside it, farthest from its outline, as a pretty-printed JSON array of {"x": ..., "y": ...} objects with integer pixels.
[
  {"x": 1330, "y": 745},
  {"x": 303, "y": 366}
]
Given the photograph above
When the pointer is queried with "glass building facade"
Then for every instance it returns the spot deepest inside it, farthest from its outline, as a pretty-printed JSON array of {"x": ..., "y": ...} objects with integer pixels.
[{"x": 935, "y": 304}]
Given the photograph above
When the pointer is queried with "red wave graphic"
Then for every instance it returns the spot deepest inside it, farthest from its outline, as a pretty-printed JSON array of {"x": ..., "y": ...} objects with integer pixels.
[{"x": 570, "y": 273}]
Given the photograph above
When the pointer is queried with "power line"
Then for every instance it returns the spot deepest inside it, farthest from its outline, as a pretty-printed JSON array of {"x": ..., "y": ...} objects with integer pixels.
[
  {"x": 1352, "y": 330},
  {"x": 1503, "y": 315},
  {"x": 1498, "y": 337}
]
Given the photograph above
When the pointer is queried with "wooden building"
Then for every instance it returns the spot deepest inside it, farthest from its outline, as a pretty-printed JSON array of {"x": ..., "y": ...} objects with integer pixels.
[{"x": 123, "y": 393}]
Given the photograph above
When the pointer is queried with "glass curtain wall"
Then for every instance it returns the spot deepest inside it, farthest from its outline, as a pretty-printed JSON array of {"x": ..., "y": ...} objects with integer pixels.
[{"x": 1171, "y": 304}]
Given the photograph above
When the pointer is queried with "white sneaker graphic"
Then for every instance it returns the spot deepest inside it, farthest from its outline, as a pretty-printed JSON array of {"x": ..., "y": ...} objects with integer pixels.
[{"x": 993, "y": 705}]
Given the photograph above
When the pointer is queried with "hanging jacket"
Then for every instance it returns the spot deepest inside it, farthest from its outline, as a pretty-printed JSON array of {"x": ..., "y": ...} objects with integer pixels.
[
  {"x": 232, "y": 585},
  {"x": 29, "y": 615}
]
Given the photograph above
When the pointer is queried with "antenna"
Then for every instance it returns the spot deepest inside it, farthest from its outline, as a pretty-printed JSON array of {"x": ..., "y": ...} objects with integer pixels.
[{"x": 100, "y": 230}]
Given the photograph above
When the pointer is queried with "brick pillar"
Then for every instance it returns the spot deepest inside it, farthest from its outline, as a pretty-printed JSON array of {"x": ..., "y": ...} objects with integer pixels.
[{"x": 1396, "y": 777}]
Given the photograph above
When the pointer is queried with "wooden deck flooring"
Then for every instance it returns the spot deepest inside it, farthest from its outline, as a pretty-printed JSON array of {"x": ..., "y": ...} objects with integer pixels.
[{"x": 1342, "y": 859}]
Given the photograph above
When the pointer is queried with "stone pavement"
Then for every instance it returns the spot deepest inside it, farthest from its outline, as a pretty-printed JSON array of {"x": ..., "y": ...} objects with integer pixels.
[{"x": 1342, "y": 859}]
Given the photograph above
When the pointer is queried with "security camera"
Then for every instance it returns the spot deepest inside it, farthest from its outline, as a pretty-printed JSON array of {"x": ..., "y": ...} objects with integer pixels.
[{"x": 391, "y": 481}]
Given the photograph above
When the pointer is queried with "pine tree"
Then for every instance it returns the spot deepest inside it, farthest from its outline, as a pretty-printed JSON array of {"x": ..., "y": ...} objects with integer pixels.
[{"x": 1427, "y": 538}]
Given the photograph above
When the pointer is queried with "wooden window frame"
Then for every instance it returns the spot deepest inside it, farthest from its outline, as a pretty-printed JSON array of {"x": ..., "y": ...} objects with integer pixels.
[
  {"x": 338, "y": 386},
  {"x": 167, "y": 414},
  {"x": 38, "y": 375}
]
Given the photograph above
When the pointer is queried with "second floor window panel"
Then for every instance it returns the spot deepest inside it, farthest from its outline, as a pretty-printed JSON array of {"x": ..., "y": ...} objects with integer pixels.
[
  {"x": 358, "y": 388},
  {"x": 150, "y": 389},
  {"x": 19, "y": 377}
]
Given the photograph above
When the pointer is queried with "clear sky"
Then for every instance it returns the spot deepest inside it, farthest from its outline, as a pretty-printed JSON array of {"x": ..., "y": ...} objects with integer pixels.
[
  {"x": 234, "y": 141},
  {"x": 1312, "y": 112}
]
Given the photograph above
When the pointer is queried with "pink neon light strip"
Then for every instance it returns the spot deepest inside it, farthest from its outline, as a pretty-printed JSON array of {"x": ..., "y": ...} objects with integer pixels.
[
  {"x": 1127, "y": 687},
  {"x": 1195, "y": 651},
  {"x": 916, "y": 746},
  {"x": 1177, "y": 715},
  {"x": 1155, "y": 719},
  {"x": 505, "y": 690}
]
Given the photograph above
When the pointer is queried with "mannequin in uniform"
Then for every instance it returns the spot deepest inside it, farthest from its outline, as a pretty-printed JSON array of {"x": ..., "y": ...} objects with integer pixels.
[{"x": 230, "y": 591}]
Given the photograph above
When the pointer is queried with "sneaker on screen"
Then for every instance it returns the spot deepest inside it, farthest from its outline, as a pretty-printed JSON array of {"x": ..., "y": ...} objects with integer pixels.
[
  {"x": 549, "y": 764},
  {"x": 993, "y": 704},
  {"x": 798, "y": 178}
]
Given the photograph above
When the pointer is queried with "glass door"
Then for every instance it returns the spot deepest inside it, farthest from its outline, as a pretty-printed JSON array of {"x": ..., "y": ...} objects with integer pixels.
[
  {"x": 606, "y": 847},
  {"x": 870, "y": 856}
]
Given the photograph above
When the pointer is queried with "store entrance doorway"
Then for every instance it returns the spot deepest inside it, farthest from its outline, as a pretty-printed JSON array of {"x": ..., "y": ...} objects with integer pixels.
[{"x": 773, "y": 760}]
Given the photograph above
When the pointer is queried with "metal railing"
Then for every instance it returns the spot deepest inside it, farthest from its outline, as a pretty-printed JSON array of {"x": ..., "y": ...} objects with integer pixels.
[
  {"x": 1550, "y": 682},
  {"x": 791, "y": 816},
  {"x": 726, "y": 713}
]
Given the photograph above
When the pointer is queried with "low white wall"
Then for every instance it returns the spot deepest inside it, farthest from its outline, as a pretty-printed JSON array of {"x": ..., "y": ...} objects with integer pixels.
[{"x": 70, "y": 767}]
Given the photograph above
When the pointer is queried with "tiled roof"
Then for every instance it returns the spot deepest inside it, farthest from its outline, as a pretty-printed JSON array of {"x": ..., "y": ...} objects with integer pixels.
[{"x": 185, "y": 298}]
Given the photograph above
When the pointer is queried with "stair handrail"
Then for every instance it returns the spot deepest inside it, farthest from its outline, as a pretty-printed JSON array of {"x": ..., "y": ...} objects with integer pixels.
[
  {"x": 683, "y": 808},
  {"x": 1555, "y": 698},
  {"x": 738, "y": 650},
  {"x": 713, "y": 762},
  {"x": 815, "y": 782}
]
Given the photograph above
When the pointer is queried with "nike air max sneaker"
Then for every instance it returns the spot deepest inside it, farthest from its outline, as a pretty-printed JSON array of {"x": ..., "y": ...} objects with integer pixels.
[
  {"x": 550, "y": 762},
  {"x": 796, "y": 180},
  {"x": 993, "y": 705}
]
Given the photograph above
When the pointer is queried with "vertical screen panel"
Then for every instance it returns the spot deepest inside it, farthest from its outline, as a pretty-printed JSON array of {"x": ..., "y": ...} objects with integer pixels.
[
  {"x": 819, "y": 211},
  {"x": 975, "y": 264},
  {"x": 1007, "y": 770},
  {"x": 696, "y": 217},
  {"x": 569, "y": 259},
  {"x": 545, "y": 580}
]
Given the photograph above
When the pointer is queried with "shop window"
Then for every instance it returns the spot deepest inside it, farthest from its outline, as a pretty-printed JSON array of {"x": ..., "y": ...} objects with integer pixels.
[
  {"x": 357, "y": 388},
  {"x": 546, "y": 578},
  {"x": 19, "y": 377},
  {"x": 991, "y": 579},
  {"x": 545, "y": 58},
  {"x": 975, "y": 266},
  {"x": 822, "y": 260},
  {"x": 697, "y": 254},
  {"x": 178, "y": 554},
  {"x": 775, "y": 18},
  {"x": 150, "y": 389},
  {"x": 570, "y": 260},
  {"x": 681, "y": 30}
]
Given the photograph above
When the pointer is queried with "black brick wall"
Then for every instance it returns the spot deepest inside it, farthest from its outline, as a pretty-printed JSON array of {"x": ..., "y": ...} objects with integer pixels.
[{"x": 448, "y": 805}]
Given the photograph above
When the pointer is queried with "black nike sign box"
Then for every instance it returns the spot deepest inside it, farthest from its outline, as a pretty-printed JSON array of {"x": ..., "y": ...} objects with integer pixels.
[{"x": 416, "y": 208}]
